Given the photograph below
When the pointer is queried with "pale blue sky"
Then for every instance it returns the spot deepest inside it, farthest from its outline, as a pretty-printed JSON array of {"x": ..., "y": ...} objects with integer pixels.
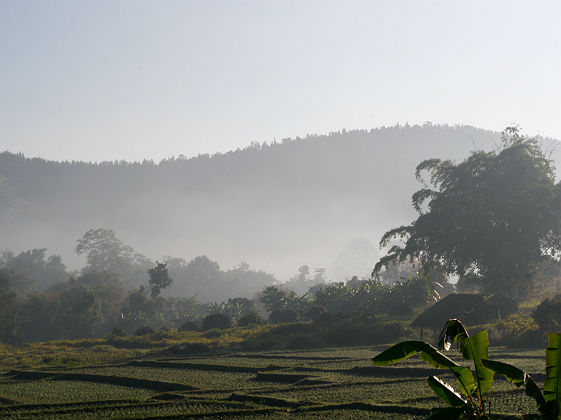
[{"x": 105, "y": 80}]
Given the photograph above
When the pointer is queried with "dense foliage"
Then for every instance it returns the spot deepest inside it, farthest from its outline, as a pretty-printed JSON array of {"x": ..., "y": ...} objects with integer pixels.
[
  {"x": 491, "y": 219},
  {"x": 217, "y": 320},
  {"x": 288, "y": 198},
  {"x": 473, "y": 222},
  {"x": 96, "y": 301},
  {"x": 548, "y": 314},
  {"x": 159, "y": 278}
]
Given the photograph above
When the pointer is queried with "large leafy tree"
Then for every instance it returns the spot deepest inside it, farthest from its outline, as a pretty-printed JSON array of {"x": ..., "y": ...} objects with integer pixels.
[
  {"x": 491, "y": 219},
  {"x": 105, "y": 252},
  {"x": 31, "y": 270},
  {"x": 159, "y": 278}
]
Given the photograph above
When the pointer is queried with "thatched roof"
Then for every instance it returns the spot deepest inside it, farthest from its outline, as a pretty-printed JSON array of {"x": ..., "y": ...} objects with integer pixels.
[
  {"x": 505, "y": 305},
  {"x": 471, "y": 309}
]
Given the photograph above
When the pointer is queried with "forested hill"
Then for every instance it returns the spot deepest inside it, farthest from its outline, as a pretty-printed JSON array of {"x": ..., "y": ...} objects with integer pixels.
[{"x": 276, "y": 206}]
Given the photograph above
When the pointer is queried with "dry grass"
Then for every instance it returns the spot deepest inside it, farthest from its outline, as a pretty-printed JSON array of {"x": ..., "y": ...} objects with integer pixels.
[{"x": 112, "y": 349}]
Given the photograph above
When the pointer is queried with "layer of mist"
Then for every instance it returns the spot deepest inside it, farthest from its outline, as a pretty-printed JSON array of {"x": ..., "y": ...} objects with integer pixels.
[{"x": 321, "y": 201}]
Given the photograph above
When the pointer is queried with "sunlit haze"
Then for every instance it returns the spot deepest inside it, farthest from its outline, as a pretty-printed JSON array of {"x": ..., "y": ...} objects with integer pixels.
[{"x": 133, "y": 80}]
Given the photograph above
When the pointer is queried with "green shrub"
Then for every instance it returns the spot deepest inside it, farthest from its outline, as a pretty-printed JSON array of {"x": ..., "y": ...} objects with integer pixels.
[
  {"x": 145, "y": 330},
  {"x": 252, "y": 318},
  {"x": 548, "y": 314},
  {"x": 283, "y": 315},
  {"x": 517, "y": 330},
  {"x": 316, "y": 312},
  {"x": 119, "y": 332},
  {"x": 217, "y": 321},
  {"x": 190, "y": 326}
]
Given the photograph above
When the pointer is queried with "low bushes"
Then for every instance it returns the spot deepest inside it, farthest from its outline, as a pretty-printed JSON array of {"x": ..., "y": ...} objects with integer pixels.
[
  {"x": 119, "y": 332},
  {"x": 252, "y": 318},
  {"x": 548, "y": 314},
  {"x": 316, "y": 312},
  {"x": 190, "y": 326},
  {"x": 217, "y": 321},
  {"x": 341, "y": 330},
  {"x": 279, "y": 316},
  {"x": 145, "y": 330}
]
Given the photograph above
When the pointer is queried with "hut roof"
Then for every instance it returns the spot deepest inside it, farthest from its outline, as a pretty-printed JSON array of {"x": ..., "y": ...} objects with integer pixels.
[{"x": 469, "y": 308}]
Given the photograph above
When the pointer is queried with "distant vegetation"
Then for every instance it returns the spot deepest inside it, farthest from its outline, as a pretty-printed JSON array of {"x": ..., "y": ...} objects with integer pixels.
[
  {"x": 278, "y": 205},
  {"x": 491, "y": 220},
  {"x": 43, "y": 301}
]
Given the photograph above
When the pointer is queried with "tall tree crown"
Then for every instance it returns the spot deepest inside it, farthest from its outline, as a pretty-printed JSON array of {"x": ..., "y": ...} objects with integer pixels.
[{"x": 490, "y": 219}]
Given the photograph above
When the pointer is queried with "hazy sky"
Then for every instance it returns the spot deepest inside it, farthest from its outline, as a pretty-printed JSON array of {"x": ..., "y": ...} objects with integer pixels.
[{"x": 105, "y": 80}]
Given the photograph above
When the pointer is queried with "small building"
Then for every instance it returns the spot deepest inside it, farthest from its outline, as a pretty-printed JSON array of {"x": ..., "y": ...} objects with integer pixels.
[{"x": 469, "y": 308}]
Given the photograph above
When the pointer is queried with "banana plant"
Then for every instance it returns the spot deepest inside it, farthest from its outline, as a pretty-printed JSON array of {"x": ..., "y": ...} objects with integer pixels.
[
  {"x": 548, "y": 402},
  {"x": 469, "y": 402}
]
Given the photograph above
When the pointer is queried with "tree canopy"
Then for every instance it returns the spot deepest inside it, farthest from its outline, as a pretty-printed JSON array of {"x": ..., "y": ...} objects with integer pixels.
[
  {"x": 31, "y": 270},
  {"x": 105, "y": 252},
  {"x": 491, "y": 219},
  {"x": 159, "y": 278}
]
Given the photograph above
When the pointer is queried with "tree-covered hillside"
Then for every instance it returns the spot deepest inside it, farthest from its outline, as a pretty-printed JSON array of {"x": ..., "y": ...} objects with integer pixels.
[{"x": 277, "y": 206}]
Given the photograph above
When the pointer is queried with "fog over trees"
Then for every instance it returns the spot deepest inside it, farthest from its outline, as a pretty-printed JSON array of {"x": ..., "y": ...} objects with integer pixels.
[
  {"x": 322, "y": 201},
  {"x": 206, "y": 242}
]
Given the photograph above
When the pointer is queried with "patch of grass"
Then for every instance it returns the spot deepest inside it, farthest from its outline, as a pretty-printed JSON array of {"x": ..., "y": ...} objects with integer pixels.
[
  {"x": 67, "y": 391},
  {"x": 283, "y": 378},
  {"x": 265, "y": 400},
  {"x": 113, "y": 349},
  {"x": 64, "y": 354},
  {"x": 332, "y": 382},
  {"x": 133, "y": 382}
]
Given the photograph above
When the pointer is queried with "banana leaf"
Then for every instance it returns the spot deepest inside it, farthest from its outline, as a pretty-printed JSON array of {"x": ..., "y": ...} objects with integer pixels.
[
  {"x": 399, "y": 352},
  {"x": 472, "y": 348},
  {"x": 445, "y": 392},
  {"x": 453, "y": 332},
  {"x": 552, "y": 382},
  {"x": 478, "y": 349},
  {"x": 519, "y": 378},
  {"x": 432, "y": 357}
]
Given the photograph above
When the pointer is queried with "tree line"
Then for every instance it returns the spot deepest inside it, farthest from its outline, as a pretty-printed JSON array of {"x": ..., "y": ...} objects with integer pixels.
[
  {"x": 311, "y": 194},
  {"x": 492, "y": 220},
  {"x": 43, "y": 301}
]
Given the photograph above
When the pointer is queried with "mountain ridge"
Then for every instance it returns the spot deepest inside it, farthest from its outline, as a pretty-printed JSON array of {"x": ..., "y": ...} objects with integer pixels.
[{"x": 276, "y": 206}]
